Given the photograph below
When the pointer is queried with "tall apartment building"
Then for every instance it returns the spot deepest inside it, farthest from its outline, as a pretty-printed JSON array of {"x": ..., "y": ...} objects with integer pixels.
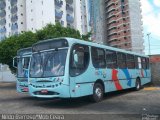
[
  {"x": 98, "y": 21},
  {"x": 17, "y": 16},
  {"x": 8, "y": 18},
  {"x": 117, "y": 23},
  {"x": 124, "y": 25}
]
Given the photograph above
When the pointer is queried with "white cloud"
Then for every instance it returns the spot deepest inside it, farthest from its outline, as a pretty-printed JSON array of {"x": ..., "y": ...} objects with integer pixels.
[
  {"x": 151, "y": 19},
  {"x": 156, "y": 3},
  {"x": 146, "y": 7}
]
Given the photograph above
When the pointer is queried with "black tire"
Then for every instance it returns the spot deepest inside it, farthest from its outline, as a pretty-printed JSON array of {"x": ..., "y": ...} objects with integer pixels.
[
  {"x": 138, "y": 84},
  {"x": 98, "y": 92}
]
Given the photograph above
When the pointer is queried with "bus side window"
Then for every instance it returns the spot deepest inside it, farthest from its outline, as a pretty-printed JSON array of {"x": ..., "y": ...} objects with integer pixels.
[
  {"x": 130, "y": 61},
  {"x": 121, "y": 57},
  {"x": 144, "y": 63},
  {"x": 79, "y": 60},
  {"x": 139, "y": 63},
  {"x": 111, "y": 59},
  {"x": 147, "y": 62},
  {"x": 98, "y": 57}
]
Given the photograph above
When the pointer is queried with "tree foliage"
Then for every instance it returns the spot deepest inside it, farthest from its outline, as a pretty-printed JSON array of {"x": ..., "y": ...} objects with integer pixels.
[{"x": 9, "y": 46}]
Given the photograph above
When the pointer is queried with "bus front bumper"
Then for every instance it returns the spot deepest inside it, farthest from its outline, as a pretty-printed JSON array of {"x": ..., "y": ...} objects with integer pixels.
[{"x": 58, "y": 91}]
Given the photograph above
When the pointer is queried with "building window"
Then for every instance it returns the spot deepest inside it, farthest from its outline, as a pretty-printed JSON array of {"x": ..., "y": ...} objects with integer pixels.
[
  {"x": 62, "y": 22},
  {"x": 21, "y": 5},
  {"x": 21, "y": 14},
  {"x": 31, "y": 10},
  {"x": 21, "y": 22},
  {"x": 42, "y": 2}
]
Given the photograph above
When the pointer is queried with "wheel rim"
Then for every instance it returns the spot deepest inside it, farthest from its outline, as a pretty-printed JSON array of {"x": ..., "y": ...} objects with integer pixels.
[{"x": 98, "y": 92}]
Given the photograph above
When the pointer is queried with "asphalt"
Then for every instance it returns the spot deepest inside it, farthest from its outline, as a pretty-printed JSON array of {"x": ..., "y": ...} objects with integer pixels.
[{"x": 125, "y": 105}]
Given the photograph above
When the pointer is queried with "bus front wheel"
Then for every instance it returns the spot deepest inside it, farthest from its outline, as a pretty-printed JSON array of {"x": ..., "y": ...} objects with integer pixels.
[
  {"x": 138, "y": 84},
  {"x": 97, "y": 92}
]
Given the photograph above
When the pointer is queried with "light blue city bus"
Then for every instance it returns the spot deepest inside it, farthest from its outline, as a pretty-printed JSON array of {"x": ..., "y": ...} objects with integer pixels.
[
  {"x": 70, "y": 68},
  {"x": 21, "y": 62}
]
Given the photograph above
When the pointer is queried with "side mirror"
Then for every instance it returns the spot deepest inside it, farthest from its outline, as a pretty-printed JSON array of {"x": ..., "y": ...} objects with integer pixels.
[{"x": 15, "y": 62}]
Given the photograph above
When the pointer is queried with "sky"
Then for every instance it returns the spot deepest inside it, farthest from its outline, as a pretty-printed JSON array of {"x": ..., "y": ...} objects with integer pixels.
[{"x": 151, "y": 25}]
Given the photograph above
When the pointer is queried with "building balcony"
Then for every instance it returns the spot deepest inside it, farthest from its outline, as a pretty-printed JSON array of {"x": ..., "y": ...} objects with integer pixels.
[
  {"x": 2, "y": 5},
  {"x": 109, "y": 4},
  {"x": 58, "y": 15},
  {"x": 112, "y": 26},
  {"x": 111, "y": 9},
  {"x": 112, "y": 32},
  {"x": 14, "y": 18},
  {"x": 58, "y": 3},
  {"x": 14, "y": 27},
  {"x": 3, "y": 21},
  {"x": 69, "y": 1},
  {"x": 112, "y": 20},
  {"x": 13, "y": 2},
  {"x": 2, "y": 30},
  {"x": 2, "y": 13},
  {"x": 70, "y": 19},
  {"x": 69, "y": 8},
  {"x": 112, "y": 38},
  {"x": 111, "y": 15},
  {"x": 14, "y": 9}
]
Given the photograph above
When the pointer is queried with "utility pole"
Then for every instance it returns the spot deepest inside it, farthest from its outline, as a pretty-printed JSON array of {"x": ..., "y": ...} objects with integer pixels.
[{"x": 149, "y": 51}]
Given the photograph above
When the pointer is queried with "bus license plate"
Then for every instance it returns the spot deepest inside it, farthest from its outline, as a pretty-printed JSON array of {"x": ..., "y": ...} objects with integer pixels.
[{"x": 44, "y": 91}]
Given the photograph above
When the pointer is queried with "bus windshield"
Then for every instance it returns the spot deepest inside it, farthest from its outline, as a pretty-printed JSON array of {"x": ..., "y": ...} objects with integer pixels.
[
  {"x": 48, "y": 63},
  {"x": 23, "y": 63}
]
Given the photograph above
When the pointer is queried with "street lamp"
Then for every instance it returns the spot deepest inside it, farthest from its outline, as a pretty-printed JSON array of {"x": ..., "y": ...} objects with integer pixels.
[{"x": 149, "y": 51}]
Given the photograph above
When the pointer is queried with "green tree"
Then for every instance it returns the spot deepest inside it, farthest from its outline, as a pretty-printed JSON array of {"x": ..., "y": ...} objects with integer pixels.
[
  {"x": 55, "y": 31},
  {"x": 87, "y": 36},
  {"x": 9, "y": 46}
]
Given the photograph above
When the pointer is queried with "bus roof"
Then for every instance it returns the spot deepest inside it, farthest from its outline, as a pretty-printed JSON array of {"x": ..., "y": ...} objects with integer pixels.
[
  {"x": 72, "y": 41},
  {"x": 24, "y": 51}
]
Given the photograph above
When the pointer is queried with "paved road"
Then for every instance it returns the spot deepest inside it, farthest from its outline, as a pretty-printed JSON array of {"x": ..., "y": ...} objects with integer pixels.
[{"x": 117, "y": 105}]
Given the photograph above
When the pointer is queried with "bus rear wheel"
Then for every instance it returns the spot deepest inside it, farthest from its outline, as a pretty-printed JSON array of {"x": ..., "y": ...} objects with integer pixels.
[
  {"x": 138, "y": 84},
  {"x": 97, "y": 92}
]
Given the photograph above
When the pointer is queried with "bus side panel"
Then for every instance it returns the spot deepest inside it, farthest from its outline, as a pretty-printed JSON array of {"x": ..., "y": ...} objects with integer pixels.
[{"x": 145, "y": 76}]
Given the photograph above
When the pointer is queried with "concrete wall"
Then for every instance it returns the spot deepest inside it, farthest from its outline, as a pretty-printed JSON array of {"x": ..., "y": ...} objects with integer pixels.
[
  {"x": 155, "y": 72},
  {"x": 6, "y": 75}
]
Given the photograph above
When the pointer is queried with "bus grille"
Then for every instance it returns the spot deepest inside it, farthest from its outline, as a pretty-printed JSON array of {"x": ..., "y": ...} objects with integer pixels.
[{"x": 48, "y": 93}]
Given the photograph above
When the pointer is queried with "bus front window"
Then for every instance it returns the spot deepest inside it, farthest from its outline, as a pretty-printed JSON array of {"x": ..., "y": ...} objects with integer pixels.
[
  {"x": 23, "y": 63},
  {"x": 48, "y": 64}
]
